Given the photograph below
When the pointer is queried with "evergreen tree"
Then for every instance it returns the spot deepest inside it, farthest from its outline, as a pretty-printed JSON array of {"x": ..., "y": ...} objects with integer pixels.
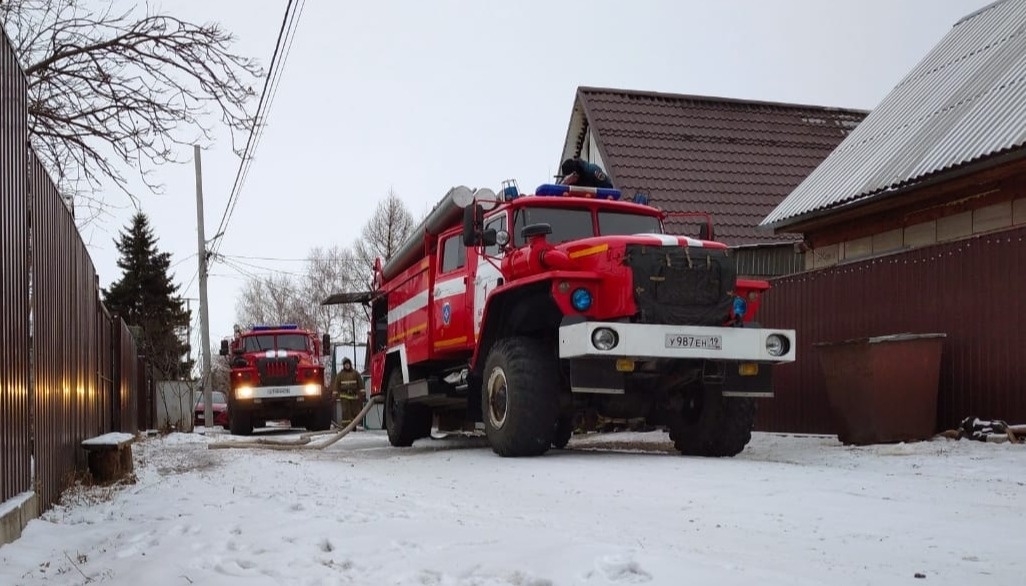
[{"x": 146, "y": 297}]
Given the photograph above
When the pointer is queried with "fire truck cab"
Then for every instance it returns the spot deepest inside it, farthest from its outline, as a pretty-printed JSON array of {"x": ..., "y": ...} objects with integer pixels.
[
  {"x": 526, "y": 312},
  {"x": 276, "y": 373}
]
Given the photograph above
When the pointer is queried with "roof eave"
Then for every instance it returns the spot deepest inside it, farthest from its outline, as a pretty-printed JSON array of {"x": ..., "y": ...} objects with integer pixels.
[
  {"x": 597, "y": 136},
  {"x": 802, "y": 222},
  {"x": 719, "y": 99},
  {"x": 576, "y": 111}
]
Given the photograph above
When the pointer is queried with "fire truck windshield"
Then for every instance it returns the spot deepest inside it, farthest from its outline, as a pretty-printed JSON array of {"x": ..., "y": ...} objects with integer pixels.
[
  {"x": 574, "y": 224},
  {"x": 259, "y": 343}
]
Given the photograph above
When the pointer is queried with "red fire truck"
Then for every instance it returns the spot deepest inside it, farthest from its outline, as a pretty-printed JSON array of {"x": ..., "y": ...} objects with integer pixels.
[
  {"x": 524, "y": 311},
  {"x": 276, "y": 373}
]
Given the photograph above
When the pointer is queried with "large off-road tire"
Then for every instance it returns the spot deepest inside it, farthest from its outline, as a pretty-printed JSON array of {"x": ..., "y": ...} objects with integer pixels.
[
  {"x": 520, "y": 397},
  {"x": 710, "y": 424},
  {"x": 564, "y": 431},
  {"x": 240, "y": 422},
  {"x": 404, "y": 422}
]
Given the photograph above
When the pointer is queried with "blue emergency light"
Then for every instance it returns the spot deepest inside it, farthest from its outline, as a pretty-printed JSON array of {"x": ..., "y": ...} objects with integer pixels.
[
  {"x": 550, "y": 189},
  {"x": 281, "y": 327}
]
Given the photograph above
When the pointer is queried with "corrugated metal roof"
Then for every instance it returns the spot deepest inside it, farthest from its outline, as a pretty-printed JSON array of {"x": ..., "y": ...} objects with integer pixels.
[
  {"x": 735, "y": 159},
  {"x": 965, "y": 101}
]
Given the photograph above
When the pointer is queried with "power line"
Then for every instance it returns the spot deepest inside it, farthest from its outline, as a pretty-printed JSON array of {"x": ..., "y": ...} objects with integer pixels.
[
  {"x": 266, "y": 258},
  {"x": 181, "y": 260},
  {"x": 267, "y": 269},
  {"x": 249, "y": 270},
  {"x": 257, "y": 122},
  {"x": 286, "y": 35},
  {"x": 191, "y": 281}
]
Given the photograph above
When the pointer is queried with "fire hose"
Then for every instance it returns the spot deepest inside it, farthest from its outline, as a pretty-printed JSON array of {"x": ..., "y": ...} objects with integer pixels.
[{"x": 305, "y": 441}]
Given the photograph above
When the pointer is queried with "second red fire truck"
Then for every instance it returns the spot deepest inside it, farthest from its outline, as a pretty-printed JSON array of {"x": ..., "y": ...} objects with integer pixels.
[{"x": 276, "y": 374}]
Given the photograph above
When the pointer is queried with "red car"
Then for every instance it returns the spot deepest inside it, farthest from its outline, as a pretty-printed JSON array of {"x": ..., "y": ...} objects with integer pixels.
[{"x": 220, "y": 405}]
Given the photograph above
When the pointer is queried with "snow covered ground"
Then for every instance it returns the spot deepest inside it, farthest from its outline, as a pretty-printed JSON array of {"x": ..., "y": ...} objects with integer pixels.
[{"x": 615, "y": 509}]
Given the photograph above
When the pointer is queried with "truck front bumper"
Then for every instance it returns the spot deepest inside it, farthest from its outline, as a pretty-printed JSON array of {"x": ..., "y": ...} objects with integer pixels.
[{"x": 656, "y": 341}]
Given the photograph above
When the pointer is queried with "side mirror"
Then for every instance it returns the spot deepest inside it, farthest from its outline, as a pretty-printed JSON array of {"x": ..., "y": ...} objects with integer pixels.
[
  {"x": 326, "y": 344},
  {"x": 489, "y": 238},
  {"x": 473, "y": 220},
  {"x": 224, "y": 347}
]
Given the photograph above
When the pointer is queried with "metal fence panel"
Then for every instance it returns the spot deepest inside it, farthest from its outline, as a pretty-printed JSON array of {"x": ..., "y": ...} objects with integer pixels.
[
  {"x": 127, "y": 379},
  {"x": 68, "y": 370},
  {"x": 15, "y": 430},
  {"x": 68, "y": 402},
  {"x": 967, "y": 289},
  {"x": 145, "y": 389}
]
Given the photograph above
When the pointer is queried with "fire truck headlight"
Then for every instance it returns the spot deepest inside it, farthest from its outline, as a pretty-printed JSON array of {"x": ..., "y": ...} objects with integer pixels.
[
  {"x": 312, "y": 390},
  {"x": 604, "y": 339},
  {"x": 777, "y": 345},
  {"x": 244, "y": 392},
  {"x": 580, "y": 299}
]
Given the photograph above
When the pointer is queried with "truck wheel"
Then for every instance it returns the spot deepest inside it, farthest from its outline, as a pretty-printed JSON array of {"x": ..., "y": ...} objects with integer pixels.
[
  {"x": 240, "y": 423},
  {"x": 520, "y": 397},
  {"x": 405, "y": 423},
  {"x": 710, "y": 424},
  {"x": 564, "y": 430}
]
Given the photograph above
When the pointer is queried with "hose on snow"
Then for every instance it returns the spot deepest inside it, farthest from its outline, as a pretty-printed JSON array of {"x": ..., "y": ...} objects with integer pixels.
[{"x": 305, "y": 441}]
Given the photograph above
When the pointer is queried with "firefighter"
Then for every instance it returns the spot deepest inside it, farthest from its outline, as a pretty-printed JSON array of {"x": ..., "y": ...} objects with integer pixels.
[
  {"x": 585, "y": 174},
  {"x": 349, "y": 389}
]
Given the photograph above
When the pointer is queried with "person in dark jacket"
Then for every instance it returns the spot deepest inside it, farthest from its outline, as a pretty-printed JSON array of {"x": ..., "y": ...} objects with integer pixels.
[{"x": 578, "y": 172}]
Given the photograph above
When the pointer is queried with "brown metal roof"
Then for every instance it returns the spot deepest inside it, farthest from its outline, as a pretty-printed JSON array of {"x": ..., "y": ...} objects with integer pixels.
[{"x": 735, "y": 159}]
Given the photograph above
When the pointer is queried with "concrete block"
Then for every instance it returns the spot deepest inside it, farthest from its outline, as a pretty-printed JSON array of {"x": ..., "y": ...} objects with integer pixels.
[
  {"x": 920, "y": 235},
  {"x": 859, "y": 248},
  {"x": 1019, "y": 211},
  {"x": 110, "y": 464},
  {"x": 15, "y": 514},
  {"x": 888, "y": 241},
  {"x": 993, "y": 217},
  {"x": 955, "y": 227},
  {"x": 826, "y": 256}
]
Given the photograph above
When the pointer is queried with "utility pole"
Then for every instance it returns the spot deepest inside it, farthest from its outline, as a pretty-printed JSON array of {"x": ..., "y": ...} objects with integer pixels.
[
  {"x": 204, "y": 306},
  {"x": 188, "y": 328},
  {"x": 353, "y": 318}
]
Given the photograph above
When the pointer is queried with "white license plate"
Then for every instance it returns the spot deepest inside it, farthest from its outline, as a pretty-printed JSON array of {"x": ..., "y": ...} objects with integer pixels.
[
  {"x": 698, "y": 342},
  {"x": 277, "y": 391}
]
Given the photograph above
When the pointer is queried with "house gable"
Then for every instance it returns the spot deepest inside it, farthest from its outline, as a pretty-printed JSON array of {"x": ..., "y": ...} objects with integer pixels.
[{"x": 734, "y": 159}]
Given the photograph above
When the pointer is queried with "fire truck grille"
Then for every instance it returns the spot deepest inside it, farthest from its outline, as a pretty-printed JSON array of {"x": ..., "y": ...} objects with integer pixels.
[
  {"x": 681, "y": 285},
  {"x": 277, "y": 371}
]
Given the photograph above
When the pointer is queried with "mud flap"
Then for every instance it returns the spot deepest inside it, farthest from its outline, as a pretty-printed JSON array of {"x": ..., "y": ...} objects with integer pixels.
[
  {"x": 595, "y": 375},
  {"x": 728, "y": 377}
]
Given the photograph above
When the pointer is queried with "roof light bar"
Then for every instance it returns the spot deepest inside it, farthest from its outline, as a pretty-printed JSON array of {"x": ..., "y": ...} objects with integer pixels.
[
  {"x": 263, "y": 328},
  {"x": 550, "y": 189}
]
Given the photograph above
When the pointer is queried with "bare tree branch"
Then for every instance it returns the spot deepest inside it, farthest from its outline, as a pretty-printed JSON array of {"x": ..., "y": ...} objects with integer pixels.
[
  {"x": 386, "y": 231},
  {"x": 111, "y": 91},
  {"x": 281, "y": 298}
]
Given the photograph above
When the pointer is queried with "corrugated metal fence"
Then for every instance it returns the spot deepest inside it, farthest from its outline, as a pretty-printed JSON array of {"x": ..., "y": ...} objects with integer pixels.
[
  {"x": 68, "y": 370},
  {"x": 968, "y": 289},
  {"x": 15, "y": 434}
]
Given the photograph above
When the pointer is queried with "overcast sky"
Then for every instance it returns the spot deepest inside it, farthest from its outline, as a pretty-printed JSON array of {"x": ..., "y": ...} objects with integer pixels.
[{"x": 419, "y": 96}]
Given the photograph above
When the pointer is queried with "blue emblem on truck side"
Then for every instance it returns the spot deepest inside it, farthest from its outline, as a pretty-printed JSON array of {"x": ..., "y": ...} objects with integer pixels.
[{"x": 446, "y": 313}]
